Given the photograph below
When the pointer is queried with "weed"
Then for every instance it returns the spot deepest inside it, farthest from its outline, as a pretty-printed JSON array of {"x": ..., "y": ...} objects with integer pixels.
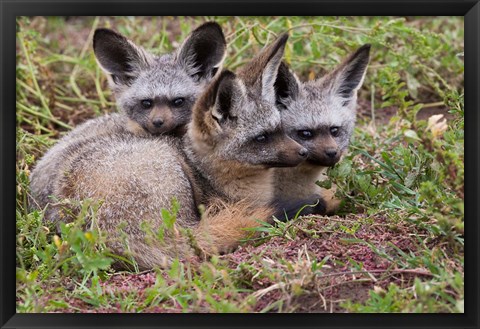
[{"x": 396, "y": 245}]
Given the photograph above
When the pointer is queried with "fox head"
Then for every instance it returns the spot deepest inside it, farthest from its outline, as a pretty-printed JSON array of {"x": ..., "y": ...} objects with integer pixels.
[
  {"x": 236, "y": 119},
  {"x": 157, "y": 93},
  {"x": 320, "y": 114}
]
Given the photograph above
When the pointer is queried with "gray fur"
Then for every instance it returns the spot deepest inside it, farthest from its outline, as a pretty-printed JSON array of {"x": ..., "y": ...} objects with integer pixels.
[
  {"x": 46, "y": 169},
  {"x": 136, "y": 75},
  {"x": 318, "y": 106},
  {"x": 133, "y": 178}
]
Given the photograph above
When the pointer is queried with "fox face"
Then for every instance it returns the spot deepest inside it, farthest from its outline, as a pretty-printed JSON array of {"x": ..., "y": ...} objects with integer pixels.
[
  {"x": 320, "y": 115},
  {"x": 157, "y": 93},
  {"x": 237, "y": 120}
]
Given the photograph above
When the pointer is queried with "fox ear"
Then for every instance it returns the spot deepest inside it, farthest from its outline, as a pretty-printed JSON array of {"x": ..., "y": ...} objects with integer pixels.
[
  {"x": 224, "y": 97},
  {"x": 261, "y": 72},
  {"x": 348, "y": 77},
  {"x": 269, "y": 74},
  {"x": 215, "y": 104},
  {"x": 203, "y": 52},
  {"x": 118, "y": 56},
  {"x": 287, "y": 85}
]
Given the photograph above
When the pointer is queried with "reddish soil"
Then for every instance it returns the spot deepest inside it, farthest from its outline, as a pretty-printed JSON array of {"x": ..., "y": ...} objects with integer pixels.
[
  {"x": 340, "y": 282},
  {"x": 337, "y": 281}
]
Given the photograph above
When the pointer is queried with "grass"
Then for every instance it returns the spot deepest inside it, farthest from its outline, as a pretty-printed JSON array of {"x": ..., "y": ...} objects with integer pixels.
[{"x": 396, "y": 245}]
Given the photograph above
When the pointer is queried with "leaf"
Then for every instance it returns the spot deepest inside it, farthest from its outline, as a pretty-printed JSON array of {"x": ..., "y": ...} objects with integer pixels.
[
  {"x": 327, "y": 183},
  {"x": 167, "y": 217},
  {"x": 403, "y": 188},
  {"x": 412, "y": 85},
  {"x": 344, "y": 169},
  {"x": 411, "y": 134},
  {"x": 59, "y": 303},
  {"x": 97, "y": 263}
]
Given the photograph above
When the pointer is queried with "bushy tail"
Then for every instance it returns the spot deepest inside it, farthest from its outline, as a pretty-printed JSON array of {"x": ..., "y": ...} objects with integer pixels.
[
  {"x": 222, "y": 227},
  {"x": 225, "y": 224}
]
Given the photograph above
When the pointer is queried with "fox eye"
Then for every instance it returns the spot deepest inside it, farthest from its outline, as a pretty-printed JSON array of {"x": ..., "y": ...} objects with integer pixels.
[
  {"x": 147, "y": 103},
  {"x": 261, "y": 138},
  {"x": 305, "y": 134},
  {"x": 177, "y": 102},
  {"x": 334, "y": 131}
]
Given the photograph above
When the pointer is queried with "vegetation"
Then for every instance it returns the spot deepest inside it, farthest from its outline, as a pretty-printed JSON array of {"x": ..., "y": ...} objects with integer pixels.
[{"x": 395, "y": 246}]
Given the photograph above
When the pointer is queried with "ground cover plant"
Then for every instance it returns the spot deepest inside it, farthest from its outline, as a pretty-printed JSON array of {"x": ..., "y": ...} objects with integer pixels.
[{"x": 396, "y": 245}]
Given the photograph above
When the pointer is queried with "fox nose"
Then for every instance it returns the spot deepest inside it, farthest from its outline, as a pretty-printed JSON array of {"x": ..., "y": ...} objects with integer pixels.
[
  {"x": 157, "y": 123},
  {"x": 331, "y": 153},
  {"x": 303, "y": 152}
]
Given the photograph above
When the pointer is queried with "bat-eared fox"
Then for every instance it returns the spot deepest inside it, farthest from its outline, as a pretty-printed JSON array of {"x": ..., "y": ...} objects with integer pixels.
[
  {"x": 154, "y": 94},
  {"x": 225, "y": 161},
  {"x": 320, "y": 115}
]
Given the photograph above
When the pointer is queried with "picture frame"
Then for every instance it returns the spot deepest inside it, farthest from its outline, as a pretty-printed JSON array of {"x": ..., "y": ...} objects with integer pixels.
[{"x": 10, "y": 9}]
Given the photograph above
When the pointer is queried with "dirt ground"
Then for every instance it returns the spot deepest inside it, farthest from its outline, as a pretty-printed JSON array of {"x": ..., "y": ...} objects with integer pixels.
[{"x": 326, "y": 290}]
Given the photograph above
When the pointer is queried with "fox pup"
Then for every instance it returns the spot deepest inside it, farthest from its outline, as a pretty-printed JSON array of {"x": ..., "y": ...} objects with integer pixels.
[
  {"x": 320, "y": 115},
  {"x": 155, "y": 94},
  {"x": 234, "y": 139}
]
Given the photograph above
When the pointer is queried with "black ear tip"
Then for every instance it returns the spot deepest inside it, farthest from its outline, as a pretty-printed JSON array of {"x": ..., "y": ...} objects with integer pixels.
[
  {"x": 210, "y": 26},
  {"x": 282, "y": 38},
  {"x": 362, "y": 54},
  {"x": 365, "y": 48},
  {"x": 277, "y": 45},
  {"x": 102, "y": 33}
]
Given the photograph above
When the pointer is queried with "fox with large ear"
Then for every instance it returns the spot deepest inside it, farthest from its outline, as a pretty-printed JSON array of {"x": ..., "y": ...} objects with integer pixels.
[
  {"x": 155, "y": 95},
  {"x": 157, "y": 92},
  {"x": 320, "y": 115},
  {"x": 225, "y": 162},
  {"x": 236, "y": 132}
]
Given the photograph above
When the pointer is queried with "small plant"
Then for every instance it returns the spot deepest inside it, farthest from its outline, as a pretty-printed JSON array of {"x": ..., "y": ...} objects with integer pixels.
[{"x": 396, "y": 245}]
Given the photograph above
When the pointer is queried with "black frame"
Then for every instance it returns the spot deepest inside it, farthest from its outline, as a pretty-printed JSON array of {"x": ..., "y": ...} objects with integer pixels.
[{"x": 9, "y": 9}]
